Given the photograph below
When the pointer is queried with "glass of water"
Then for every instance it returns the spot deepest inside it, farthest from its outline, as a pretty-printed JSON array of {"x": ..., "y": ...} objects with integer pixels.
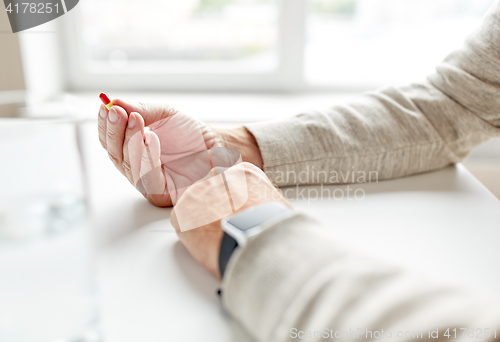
[{"x": 46, "y": 288}]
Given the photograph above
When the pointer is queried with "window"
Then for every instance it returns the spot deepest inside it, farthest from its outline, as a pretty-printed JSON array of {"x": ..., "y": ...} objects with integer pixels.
[
  {"x": 262, "y": 44},
  {"x": 190, "y": 35},
  {"x": 369, "y": 42}
]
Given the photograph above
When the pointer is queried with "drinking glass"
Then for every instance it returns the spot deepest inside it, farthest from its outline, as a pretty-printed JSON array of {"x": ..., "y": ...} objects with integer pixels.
[{"x": 46, "y": 288}]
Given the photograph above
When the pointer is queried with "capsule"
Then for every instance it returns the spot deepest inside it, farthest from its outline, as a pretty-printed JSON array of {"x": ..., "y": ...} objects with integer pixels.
[{"x": 105, "y": 99}]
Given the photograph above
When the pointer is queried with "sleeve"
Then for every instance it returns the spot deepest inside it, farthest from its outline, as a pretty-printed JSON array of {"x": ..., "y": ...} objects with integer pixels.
[
  {"x": 295, "y": 282},
  {"x": 395, "y": 131}
]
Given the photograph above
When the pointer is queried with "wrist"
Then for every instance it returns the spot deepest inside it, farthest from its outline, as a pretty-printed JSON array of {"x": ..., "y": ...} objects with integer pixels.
[{"x": 244, "y": 141}]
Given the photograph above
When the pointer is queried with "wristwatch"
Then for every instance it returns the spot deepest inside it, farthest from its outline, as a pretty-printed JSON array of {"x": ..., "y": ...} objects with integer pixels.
[{"x": 238, "y": 228}]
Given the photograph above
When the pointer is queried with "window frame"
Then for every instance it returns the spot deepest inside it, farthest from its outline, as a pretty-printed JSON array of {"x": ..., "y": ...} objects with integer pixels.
[{"x": 288, "y": 75}]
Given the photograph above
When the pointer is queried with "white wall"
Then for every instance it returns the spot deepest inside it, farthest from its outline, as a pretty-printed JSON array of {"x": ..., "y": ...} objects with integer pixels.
[{"x": 11, "y": 72}]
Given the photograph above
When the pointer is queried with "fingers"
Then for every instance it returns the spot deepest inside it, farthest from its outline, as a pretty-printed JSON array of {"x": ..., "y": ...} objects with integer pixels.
[
  {"x": 133, "y": 146},
  {"x": 115, "y": 135},
  {"x": 128, "y": 106},
  {"x": 148, "y": 114},
  {"x": 101, "y": 122},
  {"x": 151, "y": 171}
]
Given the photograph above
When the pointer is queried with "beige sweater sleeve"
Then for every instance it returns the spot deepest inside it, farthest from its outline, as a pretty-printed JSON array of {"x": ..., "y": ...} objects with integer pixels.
[
  {"x": 295, "y": 277},
  {"x": 396, "y": 131}
]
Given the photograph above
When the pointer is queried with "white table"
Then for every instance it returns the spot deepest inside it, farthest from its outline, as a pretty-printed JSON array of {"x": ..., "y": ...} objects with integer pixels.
[{"x": 444, "y": 225}]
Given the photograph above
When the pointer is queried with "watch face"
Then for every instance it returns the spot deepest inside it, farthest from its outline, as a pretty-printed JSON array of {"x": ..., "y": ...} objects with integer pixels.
[{"x": 256, "y": 216}]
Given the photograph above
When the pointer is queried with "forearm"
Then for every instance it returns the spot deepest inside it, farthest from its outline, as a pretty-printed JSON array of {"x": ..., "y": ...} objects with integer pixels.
[
  {"x": 386, "y": 134},
  {"x": 297, "y": 275},
  {"x": 395, "y": 131}
]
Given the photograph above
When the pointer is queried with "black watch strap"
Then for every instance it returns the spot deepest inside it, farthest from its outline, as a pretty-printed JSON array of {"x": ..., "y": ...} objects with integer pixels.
[{"x": 227, "y": 247}]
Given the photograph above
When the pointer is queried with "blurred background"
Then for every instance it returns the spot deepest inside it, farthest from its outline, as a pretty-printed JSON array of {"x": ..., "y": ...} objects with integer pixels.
[
  {"x": 232, "y": 60},
  {"x": 222, "y": 61}
]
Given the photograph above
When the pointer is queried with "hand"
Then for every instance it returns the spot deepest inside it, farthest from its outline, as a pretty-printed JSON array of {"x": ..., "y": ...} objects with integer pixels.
[
  {"x": 167, "y": 155},
  {"x": 206, "y": 199}
]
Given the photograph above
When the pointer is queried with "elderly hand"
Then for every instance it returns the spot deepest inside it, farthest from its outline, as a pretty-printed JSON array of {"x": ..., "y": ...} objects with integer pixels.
[
  {"x": 171, "y": 153},
  {"x": 139, "y": 155},
  {"x": 197, "y": 215}
]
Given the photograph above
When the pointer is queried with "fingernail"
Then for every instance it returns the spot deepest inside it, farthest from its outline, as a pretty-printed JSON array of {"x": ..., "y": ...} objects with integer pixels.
[
  {"x": 102, "y": 112},
  {"x": 148, "y": 138},
  {"x": 132, "y": 121},
  {"x": 113, "y": 116}
]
